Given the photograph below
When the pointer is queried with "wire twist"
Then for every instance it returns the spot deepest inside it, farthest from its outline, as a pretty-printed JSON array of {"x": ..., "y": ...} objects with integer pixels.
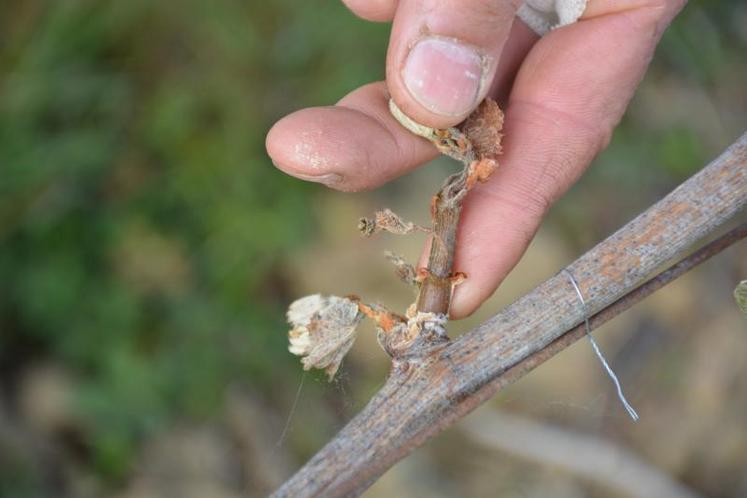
[{"x": 631, "y": 411}]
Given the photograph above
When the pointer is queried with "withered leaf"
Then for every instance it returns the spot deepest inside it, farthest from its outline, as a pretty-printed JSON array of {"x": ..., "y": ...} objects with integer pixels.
[
  {"x": 323, "y": 330},
  {"x": 414, "y": 127},
  {"x": 450, "y": 141},
  {"x": 483, "y": 128},
  {"x": 480, "y": 171},
  {"x": 404, "y": 270},
  {"x": 388, "y": 221}
]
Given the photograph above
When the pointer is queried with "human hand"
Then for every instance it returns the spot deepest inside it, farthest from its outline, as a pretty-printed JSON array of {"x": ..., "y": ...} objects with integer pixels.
[{"x": 562, "y": 94}]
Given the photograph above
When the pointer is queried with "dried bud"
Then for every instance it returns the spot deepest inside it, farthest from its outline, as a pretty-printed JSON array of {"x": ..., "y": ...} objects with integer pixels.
[
  {"x": 367, "y": 226},
  {"x": 480, "y": 171},
  {"x": 483, "y": 129},
  {"x": 323, "y": 330},
  {"x": 387, "y": 221},
  {"x": 403, "y": 269},
  {"x": 422, "y": 330}
]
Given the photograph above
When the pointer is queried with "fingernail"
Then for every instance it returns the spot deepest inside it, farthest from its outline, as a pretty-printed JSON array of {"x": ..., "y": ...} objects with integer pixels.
[
  {"x": 443, "y": 75},
  {"x": 328, "y": 179}
]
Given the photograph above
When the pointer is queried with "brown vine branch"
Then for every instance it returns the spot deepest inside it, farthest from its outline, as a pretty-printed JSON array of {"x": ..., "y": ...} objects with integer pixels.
[
  {"x": 621, "y": 305},
  {"x": 477, "y": 144},
  {"x": 426, "y": 393}
]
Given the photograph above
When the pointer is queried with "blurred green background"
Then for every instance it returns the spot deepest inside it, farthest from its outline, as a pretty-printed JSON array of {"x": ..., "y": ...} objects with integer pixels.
[{"x": 148, "y": 250}]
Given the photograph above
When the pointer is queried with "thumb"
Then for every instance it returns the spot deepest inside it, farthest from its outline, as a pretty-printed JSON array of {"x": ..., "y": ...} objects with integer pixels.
[{"x": 443, "y": 56}]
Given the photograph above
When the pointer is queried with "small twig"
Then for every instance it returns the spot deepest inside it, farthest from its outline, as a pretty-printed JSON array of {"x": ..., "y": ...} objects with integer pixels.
[
  {"x": 476, "y": 144},
  {"x": 435, "y": 290},
  {"x": 388, "y": 221}
]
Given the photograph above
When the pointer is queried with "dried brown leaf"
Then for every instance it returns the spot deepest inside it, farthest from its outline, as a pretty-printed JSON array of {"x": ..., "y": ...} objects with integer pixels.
[
  {"x": 450, "y": 141},
  {"x": 388, "y": 221},
  {"x": 323, "y": 330},
  {"x": 483, "y": 128},
  {"x": 404, "y": 270},
  {"x": 480, "y": 171}
]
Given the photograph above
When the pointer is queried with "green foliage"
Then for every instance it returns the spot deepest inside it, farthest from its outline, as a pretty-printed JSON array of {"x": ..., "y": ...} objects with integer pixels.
[
  {"x": 740, "y": 296},
  {"x": 141, "y": 222}
]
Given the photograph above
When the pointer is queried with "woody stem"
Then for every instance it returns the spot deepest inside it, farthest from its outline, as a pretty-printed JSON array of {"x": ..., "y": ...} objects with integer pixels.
[{"x": 435, "y": 290}]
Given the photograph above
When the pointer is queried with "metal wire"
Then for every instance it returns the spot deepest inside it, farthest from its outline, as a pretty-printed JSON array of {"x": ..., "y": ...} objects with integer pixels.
[{"x": 633, "y": 414}]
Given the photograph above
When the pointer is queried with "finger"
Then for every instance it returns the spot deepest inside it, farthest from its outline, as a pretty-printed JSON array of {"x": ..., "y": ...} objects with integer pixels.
[
  {"x": 372, "y": 10},
  {"x": 443, "y": 55},
  {"x": 357, "y": 144},
  {"x": 568, "y": 96},
  {"x": 354, "y": 145}
]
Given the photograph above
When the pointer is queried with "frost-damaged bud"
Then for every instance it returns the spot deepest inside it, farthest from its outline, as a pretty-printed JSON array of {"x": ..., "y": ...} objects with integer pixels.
[
  {"x": 388, "y": 221},
  {"x": 483, "y": 129},
  {"x": 402, "y": 268},
  {"x": 420, "y": 332},
  {"x": 323, "y": 330},
  {"x": 740, "y": 295}
]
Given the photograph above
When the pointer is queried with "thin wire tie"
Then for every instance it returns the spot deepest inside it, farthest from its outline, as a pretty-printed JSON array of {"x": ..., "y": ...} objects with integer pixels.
[{"x": 633, "y": 414}]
